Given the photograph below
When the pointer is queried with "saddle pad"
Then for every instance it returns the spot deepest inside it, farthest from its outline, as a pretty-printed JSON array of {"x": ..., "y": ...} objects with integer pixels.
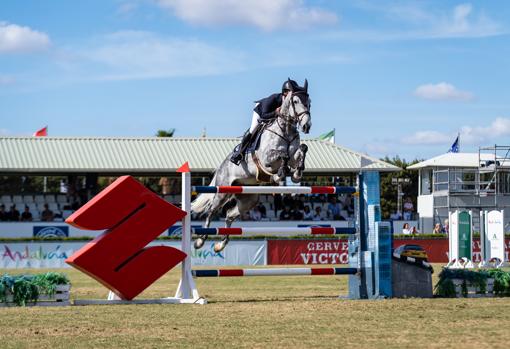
[{"x": 255, "y": 140}]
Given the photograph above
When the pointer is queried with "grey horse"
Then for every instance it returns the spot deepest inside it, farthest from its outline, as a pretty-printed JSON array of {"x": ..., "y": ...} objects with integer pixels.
[{"x": 280, "y": 154}]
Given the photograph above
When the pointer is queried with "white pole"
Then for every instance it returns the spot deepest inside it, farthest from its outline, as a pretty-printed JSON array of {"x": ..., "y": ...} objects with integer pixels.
[
  {"x": 186, "y": 228},
  {"x": 187, "y": 289}
]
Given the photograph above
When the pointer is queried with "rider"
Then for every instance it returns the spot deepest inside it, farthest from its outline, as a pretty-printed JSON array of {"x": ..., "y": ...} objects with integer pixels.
[{"x": 265, "y": 109}]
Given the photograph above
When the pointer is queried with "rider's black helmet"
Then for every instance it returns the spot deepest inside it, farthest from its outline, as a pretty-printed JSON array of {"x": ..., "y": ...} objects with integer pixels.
[{"x": 290, "y": 85}]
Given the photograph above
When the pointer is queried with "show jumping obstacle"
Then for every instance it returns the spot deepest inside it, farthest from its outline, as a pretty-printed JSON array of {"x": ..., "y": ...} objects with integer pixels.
[
  {"x": 364, "y": 268},
  {"x": 492, "y": 240}
]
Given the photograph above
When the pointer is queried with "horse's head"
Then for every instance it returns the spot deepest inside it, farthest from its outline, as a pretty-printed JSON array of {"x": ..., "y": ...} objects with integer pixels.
[{"x": 296, "y": 107}]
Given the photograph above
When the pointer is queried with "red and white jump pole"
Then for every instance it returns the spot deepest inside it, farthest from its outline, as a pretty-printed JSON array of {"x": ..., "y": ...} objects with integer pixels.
[
  {"x": 273, "y": 272},
  {"x": 254, "y": 231}
]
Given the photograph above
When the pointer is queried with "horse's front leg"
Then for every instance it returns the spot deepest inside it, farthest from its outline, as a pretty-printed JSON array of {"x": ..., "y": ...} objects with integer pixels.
[
  {"x": 278, "y": 159},
  {"x": 298, "y": 163}
]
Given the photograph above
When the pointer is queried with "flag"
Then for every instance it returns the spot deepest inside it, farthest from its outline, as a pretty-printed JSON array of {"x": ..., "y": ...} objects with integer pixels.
[
  {"x": 329, "y": 136},
  {"x": 455, "y": 146},
  {"x": 43, "y": 132}
]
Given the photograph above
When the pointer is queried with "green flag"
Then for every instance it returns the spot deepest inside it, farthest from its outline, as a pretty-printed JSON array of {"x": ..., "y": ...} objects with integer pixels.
[{"x": 329, "y": 136}]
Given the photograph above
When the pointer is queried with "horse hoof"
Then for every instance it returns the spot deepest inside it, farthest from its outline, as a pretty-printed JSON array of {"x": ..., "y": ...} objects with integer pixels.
[
  {"x": 220, "y": 246},
  {"x": 199, "y": 243}
]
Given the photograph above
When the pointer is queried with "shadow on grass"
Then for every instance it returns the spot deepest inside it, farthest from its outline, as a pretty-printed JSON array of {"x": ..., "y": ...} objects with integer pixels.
[{"x": 278, "y": 299}]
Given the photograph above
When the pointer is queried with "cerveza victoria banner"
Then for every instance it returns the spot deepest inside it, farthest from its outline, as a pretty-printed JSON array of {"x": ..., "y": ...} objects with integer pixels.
[
  {"x": 331, "y": 251},
  {"x": 307, "y": 251}
]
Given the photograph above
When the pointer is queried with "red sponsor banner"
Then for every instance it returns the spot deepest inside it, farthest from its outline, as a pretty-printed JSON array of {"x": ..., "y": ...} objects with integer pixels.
[
  {"x": 336, "y": 251},
  {"x": 307, "y": 252}
]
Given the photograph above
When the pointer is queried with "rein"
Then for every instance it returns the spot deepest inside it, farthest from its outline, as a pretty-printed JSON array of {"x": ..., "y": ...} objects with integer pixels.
[{"x": 292, "y": 120}]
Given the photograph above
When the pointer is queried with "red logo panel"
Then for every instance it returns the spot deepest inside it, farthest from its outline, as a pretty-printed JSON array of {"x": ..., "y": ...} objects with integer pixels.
[{"x": 134, "y": 216}]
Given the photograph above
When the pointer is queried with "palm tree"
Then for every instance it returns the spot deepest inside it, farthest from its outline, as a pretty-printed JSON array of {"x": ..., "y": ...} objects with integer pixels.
[
  {"x": 164, "y": 133},
  {"x": 164, "y": 182}
]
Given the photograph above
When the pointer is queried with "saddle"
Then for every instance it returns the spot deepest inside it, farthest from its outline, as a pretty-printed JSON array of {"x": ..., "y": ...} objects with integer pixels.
[
  {"x": 255, "y": 137},
  {"x": 263, "y": 175},
  {"x": 257, "y": 134}
]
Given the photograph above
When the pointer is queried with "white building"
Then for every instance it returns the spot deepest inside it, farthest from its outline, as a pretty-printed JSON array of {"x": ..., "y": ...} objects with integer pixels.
[{"x": 463, "y": 181}]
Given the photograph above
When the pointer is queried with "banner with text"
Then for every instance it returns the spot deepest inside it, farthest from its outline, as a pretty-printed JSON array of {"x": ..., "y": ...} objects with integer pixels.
[
  {"x": 54, "y": 254},
  {"x": 336, "y": 251},
  {"x": 307, "y": 252}
]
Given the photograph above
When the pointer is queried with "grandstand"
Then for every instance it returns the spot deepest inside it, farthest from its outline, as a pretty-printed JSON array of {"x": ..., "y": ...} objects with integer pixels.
[{"x": 73, "y": 172}]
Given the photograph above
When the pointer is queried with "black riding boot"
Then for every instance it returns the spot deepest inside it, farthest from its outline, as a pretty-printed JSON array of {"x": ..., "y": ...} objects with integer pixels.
[{"x": 238, "y": 156}]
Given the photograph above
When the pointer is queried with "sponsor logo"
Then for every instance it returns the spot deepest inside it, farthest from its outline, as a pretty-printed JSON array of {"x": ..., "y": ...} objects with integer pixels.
[
  {"x": 176, "y": 230},
  {"x": 11, "y": 254},
  {"x": 51, "y": 231}
]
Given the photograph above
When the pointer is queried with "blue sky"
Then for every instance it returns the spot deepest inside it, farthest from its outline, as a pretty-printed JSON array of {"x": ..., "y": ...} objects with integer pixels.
[{"x": 392, "y": 77}]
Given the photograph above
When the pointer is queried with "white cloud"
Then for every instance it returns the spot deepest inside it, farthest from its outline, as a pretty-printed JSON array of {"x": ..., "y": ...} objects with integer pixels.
[
  {"x": 442, "y": 91},
  {"x": 15, "y": 38},
  {"x": 500, "y": 127},
  {"x": 473, "y": 135},
  {"x": 377, "y": 148},
  {"x": 131, "y": 55},
  {"x": 463, "y": 23},
  {"x": 421, "y": 23},
  {"x": 267, "y": 15},
  {"x": 427, "y": 137}
]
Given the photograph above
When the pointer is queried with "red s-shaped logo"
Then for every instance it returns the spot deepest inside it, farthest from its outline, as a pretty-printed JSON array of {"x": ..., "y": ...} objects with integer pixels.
[{"x": 133, "y": 216}]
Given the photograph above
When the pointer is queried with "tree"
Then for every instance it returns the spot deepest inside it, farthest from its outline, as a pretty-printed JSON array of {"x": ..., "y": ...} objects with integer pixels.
[
  {"x": 164, "y": 133},
  {"x": 389, "y": 190},
  {"x": 155, "y": 183}
]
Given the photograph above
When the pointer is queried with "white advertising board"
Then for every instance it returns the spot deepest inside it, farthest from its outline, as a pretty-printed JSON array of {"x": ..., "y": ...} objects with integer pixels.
[
  {"x": 54, "y": 254},
  {"x": 494, "y": 236}
]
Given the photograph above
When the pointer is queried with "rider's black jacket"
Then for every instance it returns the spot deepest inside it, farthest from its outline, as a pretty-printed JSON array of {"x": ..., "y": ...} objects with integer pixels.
[{"x": 266, "y": 107}]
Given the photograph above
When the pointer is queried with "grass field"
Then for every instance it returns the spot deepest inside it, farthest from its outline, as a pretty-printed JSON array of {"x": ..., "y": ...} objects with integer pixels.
[{"x": 258, "y": 312}]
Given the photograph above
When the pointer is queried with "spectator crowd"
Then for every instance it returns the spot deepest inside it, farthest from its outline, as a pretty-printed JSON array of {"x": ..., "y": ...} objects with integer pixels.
[{"x": 301, "y": 207}]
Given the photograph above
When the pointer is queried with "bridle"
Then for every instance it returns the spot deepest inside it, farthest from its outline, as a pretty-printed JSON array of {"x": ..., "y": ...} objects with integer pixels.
[
  {"x": 298, "y": 117},
  {"x": 293, "y": 120}
]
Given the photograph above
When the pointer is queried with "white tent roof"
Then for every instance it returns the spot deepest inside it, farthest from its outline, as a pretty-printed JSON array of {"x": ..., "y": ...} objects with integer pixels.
[{"x": 453, "y": 160}]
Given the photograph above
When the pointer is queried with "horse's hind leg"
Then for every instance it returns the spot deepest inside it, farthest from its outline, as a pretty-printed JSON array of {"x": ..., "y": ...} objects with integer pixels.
[
  {"x": 218, "y": 202},
  {"x": 245, "y": 202}
]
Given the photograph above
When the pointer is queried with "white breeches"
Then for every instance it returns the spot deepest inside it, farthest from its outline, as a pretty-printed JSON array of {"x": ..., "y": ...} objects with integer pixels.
[{"x": 254, "y": 121}]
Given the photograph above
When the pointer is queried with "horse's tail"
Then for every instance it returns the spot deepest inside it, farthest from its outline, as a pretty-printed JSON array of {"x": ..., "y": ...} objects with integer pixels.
[{"x": 203, "y": 202}]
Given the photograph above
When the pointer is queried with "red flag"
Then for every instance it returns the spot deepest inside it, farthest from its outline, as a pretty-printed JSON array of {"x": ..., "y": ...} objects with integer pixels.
[{"x": 43, "y": 132}]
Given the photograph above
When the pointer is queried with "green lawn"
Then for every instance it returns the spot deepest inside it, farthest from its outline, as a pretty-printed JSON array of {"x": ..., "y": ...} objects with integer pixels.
[{"x": 294, "y": 311}]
